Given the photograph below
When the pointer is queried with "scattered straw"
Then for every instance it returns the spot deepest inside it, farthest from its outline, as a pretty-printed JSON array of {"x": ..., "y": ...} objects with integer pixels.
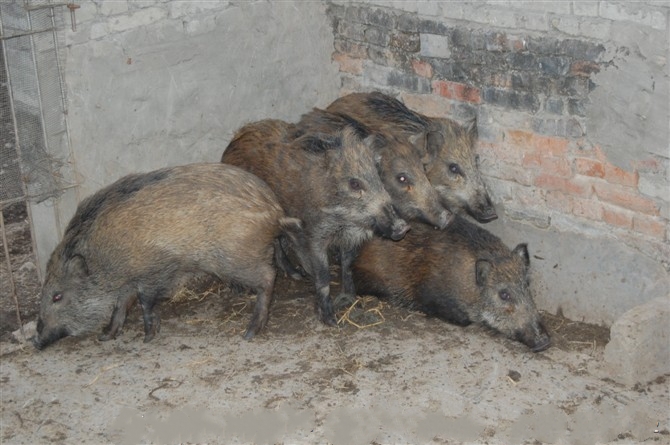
[{"x": 375, "y": 312}]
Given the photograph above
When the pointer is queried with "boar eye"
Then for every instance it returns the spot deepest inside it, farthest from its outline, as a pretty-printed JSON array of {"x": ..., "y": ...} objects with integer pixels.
[
  {"x": 504, "y": 295},
  {"x": 402, "y": 178},
  {"x": 355, "y": 184},
  {"x": 455, "y": 169},
  {"x": 56, "y": 298}
]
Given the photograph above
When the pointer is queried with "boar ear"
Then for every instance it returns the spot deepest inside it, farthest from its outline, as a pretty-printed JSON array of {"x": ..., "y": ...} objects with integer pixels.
[
  {"x": 471, "y": 129},
  {"x": 420, "y": 143},
  {"x": 482, "y": 269},
  {"x": 522, "y": 251},
  {"x": 434, "y": 143},
  {"x": 76, "y": 267}
]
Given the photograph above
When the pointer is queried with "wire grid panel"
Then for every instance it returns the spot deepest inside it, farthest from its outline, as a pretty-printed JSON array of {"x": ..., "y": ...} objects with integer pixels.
[
  {"x": 33, "y": 70},
  {"x": 10, "y": 171}
]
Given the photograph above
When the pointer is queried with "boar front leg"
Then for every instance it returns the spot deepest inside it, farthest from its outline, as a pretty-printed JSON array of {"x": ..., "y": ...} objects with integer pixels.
[
  {"x": 321, "y": 271},
  {"x": 118, "y": 319},
  {"x": 348, "y": 290}
]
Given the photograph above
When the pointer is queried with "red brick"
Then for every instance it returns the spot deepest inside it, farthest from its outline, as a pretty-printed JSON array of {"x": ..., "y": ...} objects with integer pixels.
[
  {"x": 584, "y": 68},
  {"x": 616, "y": 175},
  {"x": 548, "y": 165},
  {"x": 572, "y": 186},
  {"x": 650, "y": 165},
  {"x": 428, "y": 104},
  {"x": 559, "y": 201},
  {"x": 651, "y": 226},
  {"x": 588, "y": 208},
  {"x": 551, "y": 145},
  {"x": 625, "y": 197},
  {"x": 520, "y": 139},
  {"x": 548, "y": 145},
  {"x": 457, "y": 91},
  {"x": 423, "y": 69},
  {"x": 348, "y": 64},
  {"x": 503, "y": 152},
  {"x": 511, "y": 172},
  {"x": 617, "y": 217},
  {"x": 589, "y": 167}
]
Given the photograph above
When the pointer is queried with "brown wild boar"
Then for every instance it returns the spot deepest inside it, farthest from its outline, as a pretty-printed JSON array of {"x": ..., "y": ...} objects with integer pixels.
[
  {"x": 135, "y": 239},
  {"x": 463, "y": 274},
  {"x": 400, "y": 167},
  {"x": 330, "y": 183},
  {"x": 450, "y": 160}
]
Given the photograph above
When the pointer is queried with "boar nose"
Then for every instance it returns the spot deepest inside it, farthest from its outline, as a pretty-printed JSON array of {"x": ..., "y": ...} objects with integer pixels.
[
  {"x": 445, "y": 218},
  {"x": 543, "y": 344},
  {"x": 37, "y": 343},
  {"x": 486, "y": 212},
  {"x": 400, "y": 229},
  {"x": 541, "y": 340}
]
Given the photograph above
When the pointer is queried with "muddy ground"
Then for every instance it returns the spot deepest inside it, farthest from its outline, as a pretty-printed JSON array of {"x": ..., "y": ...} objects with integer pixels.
[{"x": 386, "y": 376}]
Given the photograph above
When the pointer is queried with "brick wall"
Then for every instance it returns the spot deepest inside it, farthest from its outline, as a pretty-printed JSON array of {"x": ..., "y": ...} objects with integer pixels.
[{"x": 571, "y": 100}]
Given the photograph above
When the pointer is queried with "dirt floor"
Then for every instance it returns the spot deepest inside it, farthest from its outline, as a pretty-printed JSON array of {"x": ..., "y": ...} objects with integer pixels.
[{"x": 386, "y": 376}]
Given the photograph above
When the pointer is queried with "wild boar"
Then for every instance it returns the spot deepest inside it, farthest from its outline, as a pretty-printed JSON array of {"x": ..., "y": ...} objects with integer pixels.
[
  {"x": 135, "y": 239},
  {"x": 400, "y": 167},
  {"x": 330, "y": 183},
  {"x": 463, "y": 274},
  {"x": 450, "y": 160}
]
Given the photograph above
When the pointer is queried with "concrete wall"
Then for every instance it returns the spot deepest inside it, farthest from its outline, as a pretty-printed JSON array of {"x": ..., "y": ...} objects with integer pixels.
[
  {"x": 571, "y": 99},
  {"x": 157, "y": 83}
]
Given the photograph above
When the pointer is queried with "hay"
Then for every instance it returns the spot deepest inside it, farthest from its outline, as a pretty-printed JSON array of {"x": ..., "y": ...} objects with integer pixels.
[
  {"x": 362, "y": 314},
  {"x": 196, "y": 289}
]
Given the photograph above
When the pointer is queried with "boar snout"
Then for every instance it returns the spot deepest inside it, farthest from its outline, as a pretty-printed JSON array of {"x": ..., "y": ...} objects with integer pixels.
[
  {"x": 445, "y": 218},
  {"x": 535, "y": 337},
  {"x": 485, "y": 211},
  {"x": 44, "y": 338}
]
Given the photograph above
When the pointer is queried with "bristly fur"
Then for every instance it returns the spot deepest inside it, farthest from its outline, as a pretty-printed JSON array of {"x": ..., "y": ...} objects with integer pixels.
[
  {"x": 390, "y": 108},
  {"x": 92, "y": 206}
]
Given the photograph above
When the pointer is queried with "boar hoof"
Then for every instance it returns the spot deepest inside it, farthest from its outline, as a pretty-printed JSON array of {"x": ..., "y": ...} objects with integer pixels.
[
  {"x": 105, "y": 337},
  {"x": 329, "y": 319}
]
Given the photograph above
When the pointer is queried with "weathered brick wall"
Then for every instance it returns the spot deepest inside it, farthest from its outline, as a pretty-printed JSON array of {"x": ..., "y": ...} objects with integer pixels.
[{"x": 571, "y": 99}]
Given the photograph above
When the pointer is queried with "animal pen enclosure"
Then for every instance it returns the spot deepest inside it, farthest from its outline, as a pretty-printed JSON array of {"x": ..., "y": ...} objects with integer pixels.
[
  {"x": 571, "y": 106},
  {"x": 33, "y": 133}
]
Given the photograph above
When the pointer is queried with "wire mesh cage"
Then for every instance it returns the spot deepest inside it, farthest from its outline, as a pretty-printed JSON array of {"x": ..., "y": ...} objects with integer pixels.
[{"x": 33, "y": 134}]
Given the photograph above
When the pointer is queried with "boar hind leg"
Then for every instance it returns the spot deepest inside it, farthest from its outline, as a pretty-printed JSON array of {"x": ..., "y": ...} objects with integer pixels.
[
  {"x": 263, "y": 290},
  {"x": 118, "y": 319},
  {"x": 283, "y": 262},
  {"x": 152, "y": 321}
]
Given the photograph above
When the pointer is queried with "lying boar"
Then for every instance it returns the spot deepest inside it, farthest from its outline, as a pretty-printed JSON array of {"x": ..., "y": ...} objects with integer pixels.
[
  {"x": 450, "y": 161},
  {"x": 137, "y": 238},
  {"x": 330, "y": 183},
  {"x": 462, "y": 274}
]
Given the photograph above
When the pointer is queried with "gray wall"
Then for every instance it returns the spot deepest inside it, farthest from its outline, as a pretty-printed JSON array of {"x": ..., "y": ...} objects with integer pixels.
[{"x": 151, "y": 84}]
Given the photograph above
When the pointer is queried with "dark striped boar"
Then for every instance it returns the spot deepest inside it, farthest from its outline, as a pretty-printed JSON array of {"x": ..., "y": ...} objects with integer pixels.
[
  {"x": 450, "y": 160},
  {"x": 462, "y": 274},
  {"x": 400, "y": 167},
  {"x": 329, "y": 182},
  {"x": 137, "y": 238}
]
